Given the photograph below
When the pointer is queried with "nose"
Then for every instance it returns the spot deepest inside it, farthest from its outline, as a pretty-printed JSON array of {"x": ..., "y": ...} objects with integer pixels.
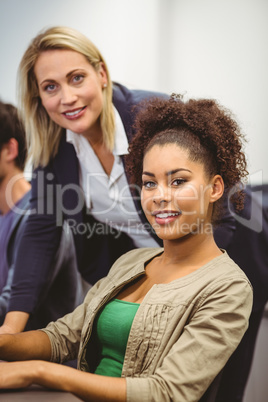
[
  {"x": 162, "y": 195},
  {"x": 68, "y": 95},
  {"x": 160, "y": 201}
]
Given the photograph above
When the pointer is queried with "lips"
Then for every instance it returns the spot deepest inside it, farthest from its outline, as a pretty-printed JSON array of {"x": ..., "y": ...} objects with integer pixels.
[
  {"x": 75, "y": 113},
  {"x": 165, "y": 217}
]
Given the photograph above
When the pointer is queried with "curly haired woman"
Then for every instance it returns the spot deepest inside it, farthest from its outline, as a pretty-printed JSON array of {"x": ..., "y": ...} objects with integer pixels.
[{"x": 164, "y": 322}]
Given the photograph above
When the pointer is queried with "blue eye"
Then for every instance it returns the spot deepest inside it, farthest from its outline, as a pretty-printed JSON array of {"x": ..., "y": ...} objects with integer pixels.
[
  {"x": 78, "y": 78},
  {"x": 50, "y": 87}
]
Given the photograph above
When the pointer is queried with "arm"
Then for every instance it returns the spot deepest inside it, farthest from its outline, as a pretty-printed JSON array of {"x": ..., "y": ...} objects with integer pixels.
[
  {"x": 65, "y": 333},
  {"x": 25, "y": 346},
  {"x": 15, "y": 321},
  {"x": 36, "y": 345},
  {"x": 88, "y": 387},
  {"x": 34, "y": 253},
  {"x": 4, "y": 297}
]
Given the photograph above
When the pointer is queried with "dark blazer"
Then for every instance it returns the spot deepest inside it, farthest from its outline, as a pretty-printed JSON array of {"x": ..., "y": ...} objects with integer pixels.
[
  {"x": 57, "y": 197},
  {"x": 246, "y": 240},
  {"x": 63, "y": 277}
]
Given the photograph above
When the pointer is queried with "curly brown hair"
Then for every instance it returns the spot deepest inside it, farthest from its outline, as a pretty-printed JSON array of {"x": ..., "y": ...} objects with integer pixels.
[{"x": 203, "y": 127}]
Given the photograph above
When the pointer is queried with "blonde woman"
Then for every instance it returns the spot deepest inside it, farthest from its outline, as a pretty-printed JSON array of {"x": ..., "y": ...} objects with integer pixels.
[{"x": 78, "y": 126}]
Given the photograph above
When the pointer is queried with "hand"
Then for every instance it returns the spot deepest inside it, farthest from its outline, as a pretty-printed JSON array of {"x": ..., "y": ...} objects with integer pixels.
[{"x": 17, "y": 374}]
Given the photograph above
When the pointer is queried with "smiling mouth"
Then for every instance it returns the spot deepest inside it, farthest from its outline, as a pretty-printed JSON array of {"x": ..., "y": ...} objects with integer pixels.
[
  {"x": 74, "y": 113},
  {"x": 165, "y": 215}
]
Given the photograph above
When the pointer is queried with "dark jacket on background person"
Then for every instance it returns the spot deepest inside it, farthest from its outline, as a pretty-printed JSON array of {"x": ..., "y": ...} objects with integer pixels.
[{"x": 246, "y": 241}]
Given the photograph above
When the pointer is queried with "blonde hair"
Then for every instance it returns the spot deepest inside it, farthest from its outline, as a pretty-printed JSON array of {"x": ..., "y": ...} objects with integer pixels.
[{"x": 42, "y": 134}]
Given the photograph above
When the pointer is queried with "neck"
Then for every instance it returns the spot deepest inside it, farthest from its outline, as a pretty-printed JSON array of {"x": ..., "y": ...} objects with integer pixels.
[
  {"x": 12, "y": 188},
  {"x": 94, "y": 135},
  {"x": 193, "y": 249}
]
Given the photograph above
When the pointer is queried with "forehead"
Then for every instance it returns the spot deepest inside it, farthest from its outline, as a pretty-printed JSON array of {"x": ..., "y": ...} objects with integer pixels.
[
  {"x": 56, "y": 61},
  {"x": 169, "y": 157},
  {"x": 166, "y": 153}
]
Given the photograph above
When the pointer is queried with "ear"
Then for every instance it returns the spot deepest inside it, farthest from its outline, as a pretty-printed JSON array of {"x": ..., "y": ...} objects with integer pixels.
[
  {"x": 10, "y": 150},
  {"x": 103, "y": 75},
  {"x": 217, "y": 188}
]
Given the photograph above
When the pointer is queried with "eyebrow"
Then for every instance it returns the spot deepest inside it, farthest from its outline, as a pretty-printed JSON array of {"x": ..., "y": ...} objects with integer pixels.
[
  {"x": 170, "y": 173},
  {"x": 74, "y": 71},
  {"x": 50, "y": 80},
  {"x": 47, "y": 80}
]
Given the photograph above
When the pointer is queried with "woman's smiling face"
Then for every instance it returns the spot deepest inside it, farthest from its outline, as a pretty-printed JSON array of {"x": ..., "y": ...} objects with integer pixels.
[
  {"x": 177, "y": 195},
  {"x": 70, "y": 89}
]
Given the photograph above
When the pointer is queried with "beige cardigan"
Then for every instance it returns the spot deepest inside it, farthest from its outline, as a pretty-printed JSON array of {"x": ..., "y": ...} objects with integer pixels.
[{"x": 183, "y": 332}]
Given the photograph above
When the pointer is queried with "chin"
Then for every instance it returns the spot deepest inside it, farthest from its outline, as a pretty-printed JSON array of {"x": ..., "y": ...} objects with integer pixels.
[{"x": 170, "y": 235}]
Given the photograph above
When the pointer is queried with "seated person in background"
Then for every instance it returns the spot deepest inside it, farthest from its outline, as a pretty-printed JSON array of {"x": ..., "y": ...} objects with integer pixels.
[
  {"x": 247, "y": 245},
  {"x": 62, "y": 291},
  {"x": 14, "y": 191},
  {"x": 165, "y": 320}
]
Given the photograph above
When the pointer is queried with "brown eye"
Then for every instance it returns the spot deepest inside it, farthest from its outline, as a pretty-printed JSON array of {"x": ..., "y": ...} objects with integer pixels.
[{"x": 178, "y": 182}]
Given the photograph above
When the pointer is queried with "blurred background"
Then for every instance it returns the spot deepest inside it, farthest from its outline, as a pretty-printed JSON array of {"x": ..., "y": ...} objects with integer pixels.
[{"x": 199, "y": 48}]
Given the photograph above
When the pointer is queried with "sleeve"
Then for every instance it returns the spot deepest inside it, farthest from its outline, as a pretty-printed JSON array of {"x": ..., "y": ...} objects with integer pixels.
[
  {"x": 5, "y": 295},
  {"x": 200, "y": 351},
  {"x": 65, "y": 333},
  {"x": 38, "y": 245}
]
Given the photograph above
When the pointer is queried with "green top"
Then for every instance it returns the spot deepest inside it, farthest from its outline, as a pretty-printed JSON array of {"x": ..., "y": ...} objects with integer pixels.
[{"x": 111, "y": 330}]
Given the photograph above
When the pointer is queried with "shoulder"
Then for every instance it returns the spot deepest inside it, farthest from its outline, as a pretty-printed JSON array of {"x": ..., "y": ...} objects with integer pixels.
[
  {"x": 224, "y": 268},
  {"x": 133, "y": 96},
  {"x": 126, "y": 102},
  {"x": 223, "y": 276}
]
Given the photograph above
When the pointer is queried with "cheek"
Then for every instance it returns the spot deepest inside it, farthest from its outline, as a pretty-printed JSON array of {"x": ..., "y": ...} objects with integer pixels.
[
  {"x": 96, "y": 98},
  {"x": 143, "y": 199},
  {"x": 92, "y": 90},
  {"x": 49, "y": 105},
  {"x": 186, "y": 199},
  {"x": 146, "y": 200}
]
